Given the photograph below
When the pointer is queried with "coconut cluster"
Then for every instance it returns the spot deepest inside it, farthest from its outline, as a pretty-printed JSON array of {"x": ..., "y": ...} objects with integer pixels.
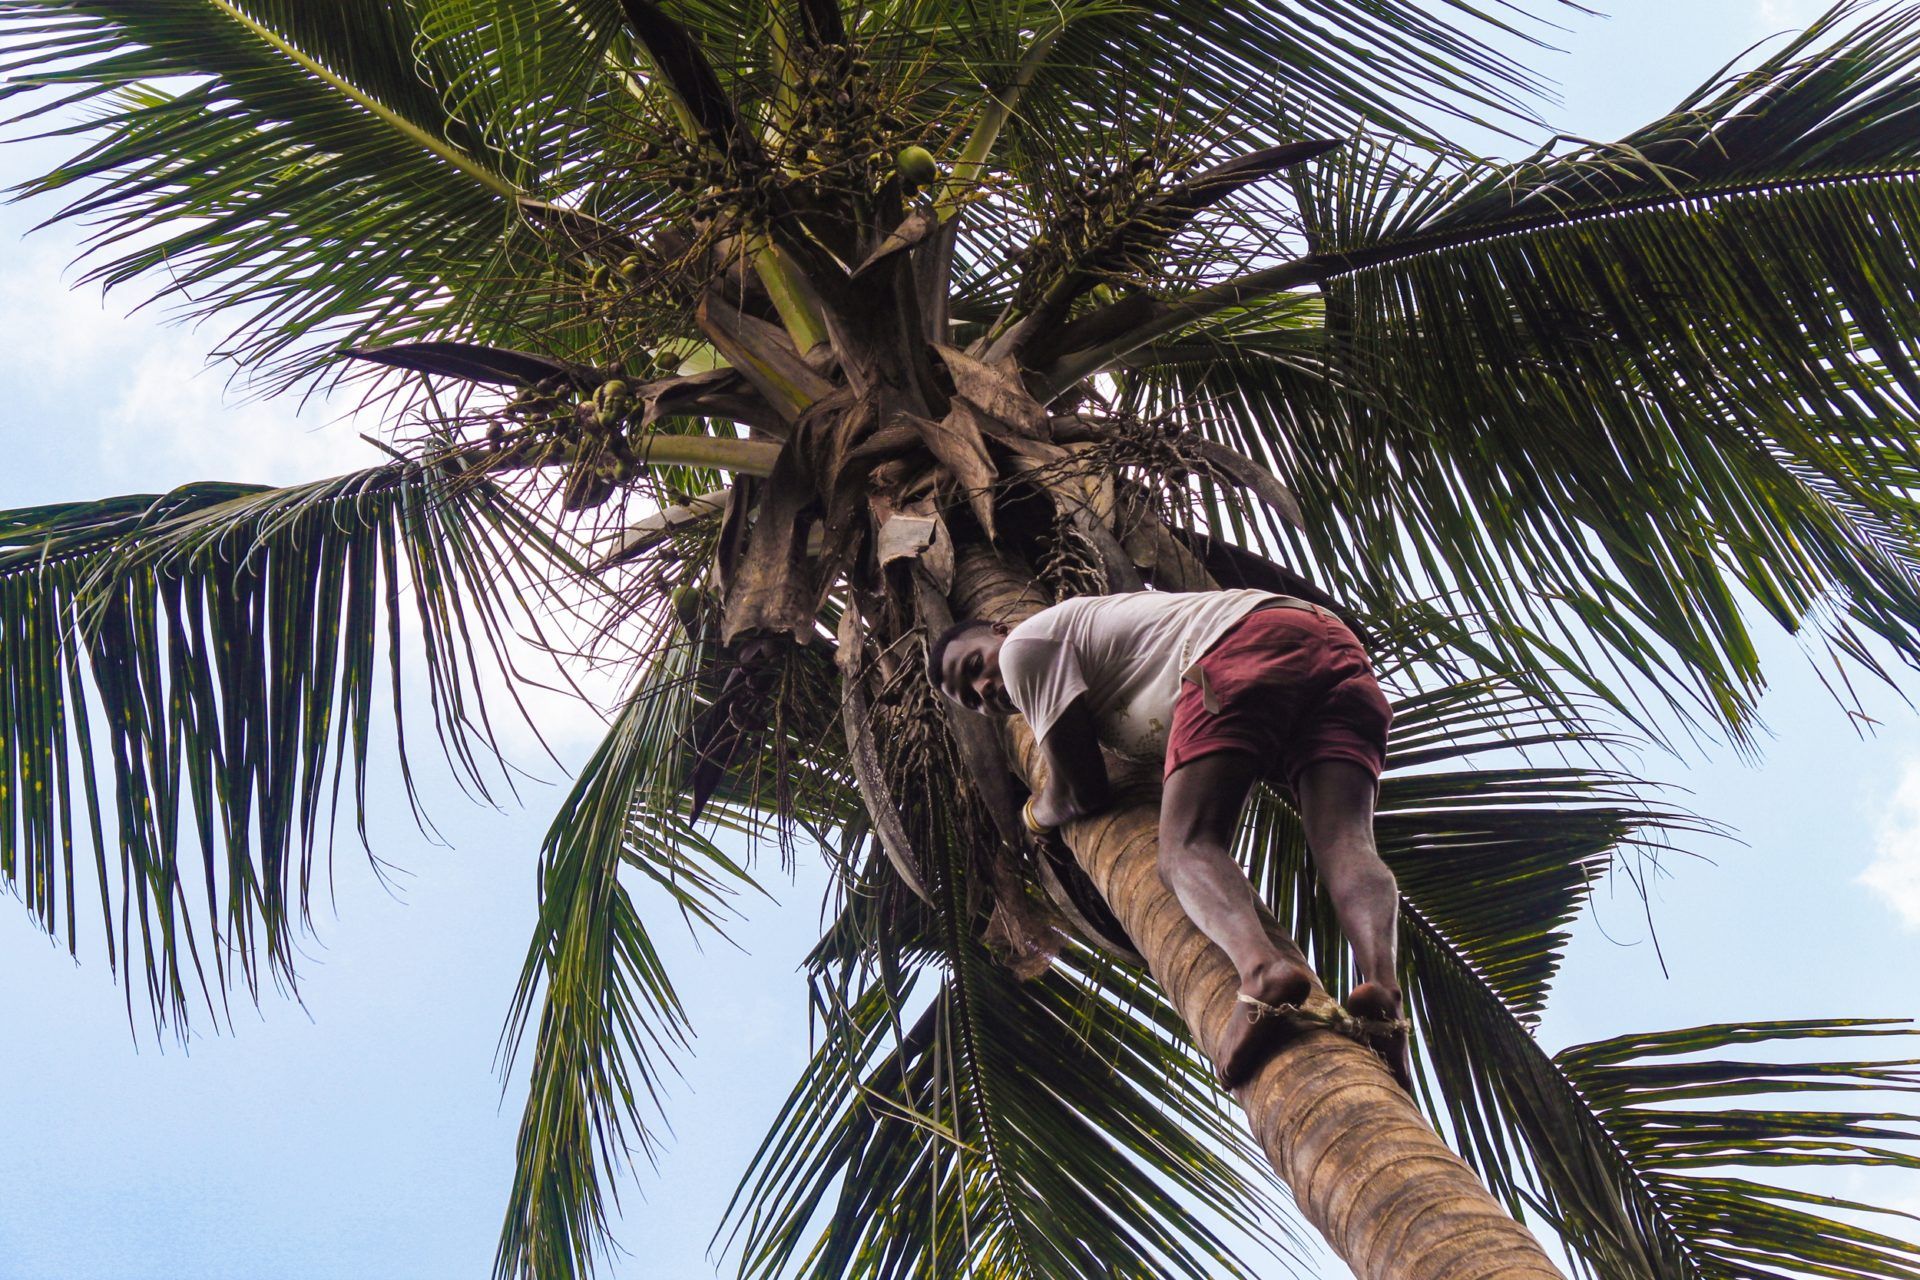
[
  {"x": 845, "y": 137},
  {"x": 1086, "y": 218},
  {"x": 845, "y": 134},
  {"x": 593, "y": 431}
]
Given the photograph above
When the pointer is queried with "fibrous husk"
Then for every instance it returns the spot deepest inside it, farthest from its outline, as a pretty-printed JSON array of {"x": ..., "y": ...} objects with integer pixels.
[
  {"x": 913, "y": 532},
  {"x": 772, "y": 587},
  {"x": 996, "y": 390}
]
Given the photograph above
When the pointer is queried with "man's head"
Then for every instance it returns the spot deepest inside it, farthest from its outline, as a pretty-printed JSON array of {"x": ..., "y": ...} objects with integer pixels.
[{"x": 965, "y": 663}]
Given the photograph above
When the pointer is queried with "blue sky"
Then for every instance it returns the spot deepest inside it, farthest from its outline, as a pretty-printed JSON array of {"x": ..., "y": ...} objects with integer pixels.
[{"x": 362, "y": 1132}]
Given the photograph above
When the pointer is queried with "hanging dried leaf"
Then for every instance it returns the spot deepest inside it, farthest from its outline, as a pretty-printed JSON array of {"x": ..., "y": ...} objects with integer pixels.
[
  {"x": 738, "y": 712},
  {"x": 1152, "y": 546},
  {"x": 917, "y": 226},
  {"x": 644, "y": 535},
  {"x": 917, "y": 533},
  {"x": 716, "y": 393},
  {"x": 1080, "y": 904},
  {"x": 774, "y": 587},
  {"x": 732, "y": 543},
  {"x": 1248, "y": 474},
  {"x": 686, "y": 69},
  {"x": 957, "y": 443},
  {"x": 996, "y": 390},
  {"x": 857, "y": 717}
]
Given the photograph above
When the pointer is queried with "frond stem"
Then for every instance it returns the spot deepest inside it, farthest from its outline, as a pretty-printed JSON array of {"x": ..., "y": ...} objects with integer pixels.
[
  {"x": 993, "y": 118},
  {"x": 1319, "y": 268},
  {"x": 392, "y": 119}
]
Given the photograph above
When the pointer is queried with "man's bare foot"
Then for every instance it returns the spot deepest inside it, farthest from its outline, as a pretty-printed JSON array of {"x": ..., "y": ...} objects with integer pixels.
[
  {"x": 1254, "y": 1034},
  {"x": 1379, "y": 1003}
]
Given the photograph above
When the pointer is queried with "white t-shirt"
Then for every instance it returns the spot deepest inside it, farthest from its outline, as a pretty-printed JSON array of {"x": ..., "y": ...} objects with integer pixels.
[{"x": 1126, "y": 653}]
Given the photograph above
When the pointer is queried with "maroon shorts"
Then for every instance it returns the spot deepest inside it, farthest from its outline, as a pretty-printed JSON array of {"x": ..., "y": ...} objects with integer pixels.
[{"x": 1292, "y": 688}]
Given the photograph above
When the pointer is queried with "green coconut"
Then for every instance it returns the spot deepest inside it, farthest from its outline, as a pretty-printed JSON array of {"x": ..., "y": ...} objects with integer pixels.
[
  {"x": 916, "y": 166},
  {"x": 689, "y": 603}
]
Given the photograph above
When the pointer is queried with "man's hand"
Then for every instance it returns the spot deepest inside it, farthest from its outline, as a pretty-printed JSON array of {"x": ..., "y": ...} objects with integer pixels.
[
  {"x": 1048, "y": 812},
  {"x": 1076, "y": 784}
]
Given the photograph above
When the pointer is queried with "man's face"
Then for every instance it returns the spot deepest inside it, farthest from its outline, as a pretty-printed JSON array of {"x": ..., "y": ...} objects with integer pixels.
[{"x": 970, "y": 672}]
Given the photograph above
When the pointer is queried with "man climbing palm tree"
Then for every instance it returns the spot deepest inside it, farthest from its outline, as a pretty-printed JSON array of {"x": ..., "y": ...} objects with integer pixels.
[
  {"x": 1550, "y": 425},
  {"x": 1225, "y": 687}
]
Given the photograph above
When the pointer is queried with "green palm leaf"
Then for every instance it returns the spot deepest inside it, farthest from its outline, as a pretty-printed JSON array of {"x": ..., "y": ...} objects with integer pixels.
[
  {"x": 1705, "y": 316},
  {"x": 609, "y": 1018},
  {"x": 315, "y": 188},
  {"x": 347, "y": 174},
  {"x": 1105, "y": 1135},
  {"x": 1493, "y": 865},
  {"x": 1594, "y": 402},
  {"x": 1674, "y": 1114},
  {"x": 1637, "y": 1185},
  {"x": 199, "y": 670}
]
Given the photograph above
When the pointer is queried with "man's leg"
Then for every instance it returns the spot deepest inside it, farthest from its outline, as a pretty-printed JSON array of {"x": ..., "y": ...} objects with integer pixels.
[
  {"x": 1336, "y": 806},
  {"x": 1199, "y": 813}
]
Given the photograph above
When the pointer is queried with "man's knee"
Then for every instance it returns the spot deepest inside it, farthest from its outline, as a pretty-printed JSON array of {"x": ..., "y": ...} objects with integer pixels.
[{"x": 1177, "y": 858}]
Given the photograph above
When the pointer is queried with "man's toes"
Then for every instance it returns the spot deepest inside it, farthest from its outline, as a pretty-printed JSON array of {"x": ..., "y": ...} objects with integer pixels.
[
  {"x": 1377, "y": 1003},
  {"x": 1281, "y": 985},
  {"x": 1372, "y": 1000}
]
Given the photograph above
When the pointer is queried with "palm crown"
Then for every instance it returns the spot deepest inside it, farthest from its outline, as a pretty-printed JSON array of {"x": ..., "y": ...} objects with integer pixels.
[{"x": 854, "y": 303}]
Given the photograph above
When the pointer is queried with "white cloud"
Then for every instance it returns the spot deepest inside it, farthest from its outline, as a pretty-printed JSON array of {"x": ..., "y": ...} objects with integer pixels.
[
  {"x": 172, "y": 405},
  {"x": 138, "y": 394},
  {"x": 140, "y": 410},
  {"x": 1894, "y": 873},
  {"x": 1780, "y": 15}
]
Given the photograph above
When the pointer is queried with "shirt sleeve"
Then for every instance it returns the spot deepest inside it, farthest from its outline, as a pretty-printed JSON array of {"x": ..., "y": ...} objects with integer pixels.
[{"x": 1042, "y": 677}]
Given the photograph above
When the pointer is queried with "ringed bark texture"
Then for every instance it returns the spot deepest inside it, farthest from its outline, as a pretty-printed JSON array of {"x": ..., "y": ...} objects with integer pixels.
[{"x": 1364, "y": 1165}]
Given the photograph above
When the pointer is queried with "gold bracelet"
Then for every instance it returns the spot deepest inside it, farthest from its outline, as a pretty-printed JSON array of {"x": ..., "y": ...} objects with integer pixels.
[{"x": 1026, "y": 816}]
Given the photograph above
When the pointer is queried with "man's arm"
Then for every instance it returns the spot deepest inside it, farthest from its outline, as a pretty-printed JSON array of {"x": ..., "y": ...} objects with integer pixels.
[{"x": 1076, "y": 783}]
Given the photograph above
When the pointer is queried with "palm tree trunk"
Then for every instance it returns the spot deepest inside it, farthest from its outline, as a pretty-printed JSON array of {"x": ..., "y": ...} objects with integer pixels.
[{"x": 1363, "y": 1164}]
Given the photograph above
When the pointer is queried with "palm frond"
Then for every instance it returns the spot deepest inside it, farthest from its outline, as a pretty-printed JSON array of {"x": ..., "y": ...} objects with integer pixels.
[
  {"x": 315, "y": 186},
  {"x": 1652, "y": 379},
  {"x": 1630, "y": 1157},
  {"x": 1675, "y": 1114},
  {"x": 530, "y": 77},
  {"x": 1274, "y": 73},
  {"x": 1106, "y": 1137},
  {"x": 353, "y": 173},
  {"x": 198, "y": 671},
  {"x": 609, "y": 1017},
  {"x": 1648, "y": 1166}
]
